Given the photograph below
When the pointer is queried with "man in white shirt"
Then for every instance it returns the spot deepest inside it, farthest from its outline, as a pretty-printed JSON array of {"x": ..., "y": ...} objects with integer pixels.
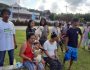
[
  {"x": 50, "y": 47},
  {"x": 7, "y": 37}
]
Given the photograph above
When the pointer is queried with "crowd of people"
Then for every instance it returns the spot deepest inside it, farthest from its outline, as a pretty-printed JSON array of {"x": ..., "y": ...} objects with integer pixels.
[{"x": 38, "y": 50}]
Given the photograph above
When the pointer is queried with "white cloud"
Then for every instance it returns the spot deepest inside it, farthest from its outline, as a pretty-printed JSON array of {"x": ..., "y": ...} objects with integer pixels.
[
  {"x": 53, "y": 5},
  {"x": 57, "y": 6},
  {"x": 88, "y": 3},
  {"x": 29, "y": 3}
]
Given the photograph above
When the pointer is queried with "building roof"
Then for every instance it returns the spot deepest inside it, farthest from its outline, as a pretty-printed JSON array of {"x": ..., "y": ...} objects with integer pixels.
[
  {"x": 18, "y": 9},
  {"x": 23, "y": 11},
  {"x": 16, "y": 5},
  {"x": 33, "y": 10}
]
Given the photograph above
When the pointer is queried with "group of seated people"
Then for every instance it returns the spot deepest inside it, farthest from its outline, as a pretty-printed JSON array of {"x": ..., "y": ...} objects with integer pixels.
[
  {"x": 37, "y": 49},
  {"x": 36, "y": 56}
]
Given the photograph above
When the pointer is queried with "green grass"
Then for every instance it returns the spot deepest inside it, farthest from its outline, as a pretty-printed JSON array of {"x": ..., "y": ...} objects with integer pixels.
[{"x": 83, "y": 62}]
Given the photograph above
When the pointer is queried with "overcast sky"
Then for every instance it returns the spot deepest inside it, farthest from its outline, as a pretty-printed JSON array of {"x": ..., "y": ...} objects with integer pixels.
[{"x": 57, "y": 6}]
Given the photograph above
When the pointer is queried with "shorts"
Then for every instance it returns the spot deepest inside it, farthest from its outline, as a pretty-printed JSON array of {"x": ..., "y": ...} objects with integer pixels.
[{"x": 71, "y": 54}]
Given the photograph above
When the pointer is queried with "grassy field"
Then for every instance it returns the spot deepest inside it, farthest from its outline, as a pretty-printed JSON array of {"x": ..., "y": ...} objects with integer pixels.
[{"x": 83, "y": 62}]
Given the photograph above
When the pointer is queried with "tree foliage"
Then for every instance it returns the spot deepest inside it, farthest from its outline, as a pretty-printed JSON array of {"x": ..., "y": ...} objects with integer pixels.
[{"x": 68, "y": 17}]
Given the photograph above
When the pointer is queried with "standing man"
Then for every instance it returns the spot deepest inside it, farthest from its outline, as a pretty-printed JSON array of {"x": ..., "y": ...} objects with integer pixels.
[
  {"x": 72, "y": 43},
  {"x": 7, "y": 37}
]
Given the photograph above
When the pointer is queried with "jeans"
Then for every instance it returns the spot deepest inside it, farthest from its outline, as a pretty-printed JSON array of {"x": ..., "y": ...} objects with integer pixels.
[
  {"x": 29, "y": 65},
  {"x": 40, "y": 66},
  {"x": 11, "y": 57}
]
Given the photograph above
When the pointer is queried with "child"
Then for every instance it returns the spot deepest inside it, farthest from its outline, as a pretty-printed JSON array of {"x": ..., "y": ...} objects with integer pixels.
[{"x": 37, "y": 49}]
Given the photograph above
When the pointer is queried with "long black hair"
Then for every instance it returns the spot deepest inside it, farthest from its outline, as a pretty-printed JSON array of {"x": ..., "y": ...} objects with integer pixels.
[
  {"x": 45, "y": 22},
  {"x": 29, "y": 24},
  {"x": 29, "y": 35}
]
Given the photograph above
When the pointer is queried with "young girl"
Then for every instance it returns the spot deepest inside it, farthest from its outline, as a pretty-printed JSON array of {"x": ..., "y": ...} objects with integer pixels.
[
  {"x": 45, "y": 31},
  {"x": 37, "y": 49},
  {"x": 30, "y": 28}
]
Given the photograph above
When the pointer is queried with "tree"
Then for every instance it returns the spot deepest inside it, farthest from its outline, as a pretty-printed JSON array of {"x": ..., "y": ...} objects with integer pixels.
[{"x": 53, "y": 16}]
